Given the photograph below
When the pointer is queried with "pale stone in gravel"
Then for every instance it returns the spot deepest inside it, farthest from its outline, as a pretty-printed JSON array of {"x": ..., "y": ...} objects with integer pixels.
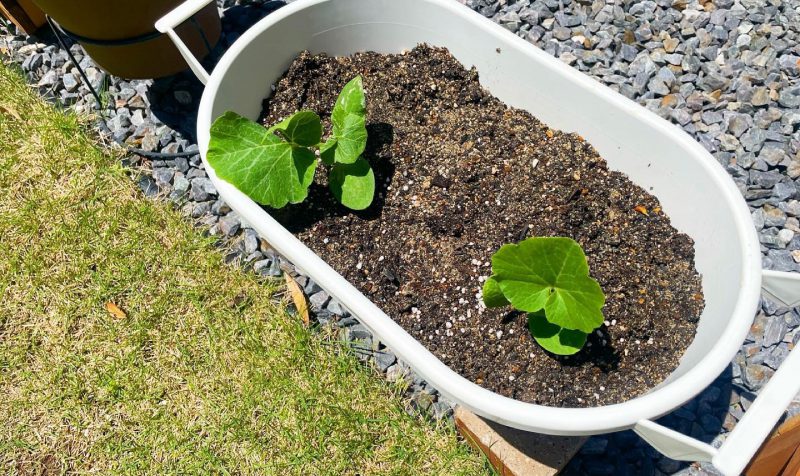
[
  {"x": 180, "y": 184},
  {"x": 71, "y": 83},
  {"x": 774, "y": 332},
  {"x": 220, "y": 207},
  {"x": 229, "y": 224},
  {"x": 792, "y": 207},
  {"x": 728, "y": 142},
  {"x": 772, "y": 155},
  {"x": 251, "y": 244},
  {"x": 793, "y": 170},
  {"x": 163, "y": 175},
  {"x": 49, "y": 79},
  {"x": 137, "y": 119},
  {"x": 784, "y": 190},
  {"x": 395, "y": 373},
  {"x": 785, "y": 236},
  {"x": 200, "y": 209},
  {"x": 760, "y": 97},
  {"x": 773, "y": 216},
  {"x": 670, "y": 44},
  {"x": 358, "y": 332},
  {"x": 384, "y": 359},
  {"x": 126, "y": 93},
  {"x": 336, "y": 308},
  {"x": 764, "y": 117},
  {"x": 149, "y": 142},
  {"x": 319, "y": 299},
  {"x": 137, "y": 102},
  {"x": 261, "y": 267},
  {"x": 758, "y": 218},
  {"x": 311, "y": 287},
  {"x": 202, "y": 189},
  {"x": 756, "y": 376},
  {"x": 738, "y": 124}
]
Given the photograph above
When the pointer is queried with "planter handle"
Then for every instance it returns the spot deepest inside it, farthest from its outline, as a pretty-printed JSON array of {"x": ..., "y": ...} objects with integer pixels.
[
  {"x": 757, "y": 423},
  {"x": 171, "y": 20}
]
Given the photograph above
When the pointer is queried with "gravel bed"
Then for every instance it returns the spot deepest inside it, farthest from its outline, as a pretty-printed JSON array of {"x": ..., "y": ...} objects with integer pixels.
[{"x": 726, "y": 71}]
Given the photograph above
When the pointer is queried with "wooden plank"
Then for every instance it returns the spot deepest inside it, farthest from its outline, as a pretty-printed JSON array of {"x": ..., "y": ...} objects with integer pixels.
[
  {"x": 793, "y": 467},
  {"x": 515, "y": 452},
  {"x": 23, "y": 13},
  {"x": 774, "y": 455}
]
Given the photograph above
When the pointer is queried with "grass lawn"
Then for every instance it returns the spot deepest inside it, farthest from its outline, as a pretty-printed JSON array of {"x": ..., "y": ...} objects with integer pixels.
[{"x": 203, "y": 371}]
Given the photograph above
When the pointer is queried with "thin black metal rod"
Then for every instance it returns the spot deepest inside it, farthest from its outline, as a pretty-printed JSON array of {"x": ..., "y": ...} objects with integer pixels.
[
  {"x": 98, "y": 106},
  {"x": 58, "y": 32}
]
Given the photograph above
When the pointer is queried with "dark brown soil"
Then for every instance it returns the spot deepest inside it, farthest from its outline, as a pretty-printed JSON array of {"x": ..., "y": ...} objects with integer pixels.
[{"x": 461, "y": 174}]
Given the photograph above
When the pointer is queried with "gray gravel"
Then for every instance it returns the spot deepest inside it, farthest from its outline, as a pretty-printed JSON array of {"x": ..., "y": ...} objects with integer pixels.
[{"x": 726, "y": 71}]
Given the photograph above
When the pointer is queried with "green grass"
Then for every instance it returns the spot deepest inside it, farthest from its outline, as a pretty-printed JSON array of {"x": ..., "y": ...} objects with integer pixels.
[{"x": 206, "y": 374}]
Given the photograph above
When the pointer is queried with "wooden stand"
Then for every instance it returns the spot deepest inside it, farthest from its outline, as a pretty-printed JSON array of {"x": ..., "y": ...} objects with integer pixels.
[
  {"x": 515, "y": 452},
  {"x": 23, "y": 13},
  {"x": 780, "y": 454}
]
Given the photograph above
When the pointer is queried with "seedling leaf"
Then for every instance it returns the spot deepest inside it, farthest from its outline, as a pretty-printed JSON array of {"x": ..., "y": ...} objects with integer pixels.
[
  {"x": 327, "y": 151},
  {"x": 351, "y": 137},
  {"x": 301, "y": 128},
  {"x": 553, "y": 338},
  {"x": 276, "y": 166},
  {"x": 352, "y": 99},
  {"x": 258, "y": 162},
  {"x": 492, "y": 295},
  {"x": 349, "y": 122},
  {"x": 551, "y": 274},
  {"x": 353, "y": 184}
]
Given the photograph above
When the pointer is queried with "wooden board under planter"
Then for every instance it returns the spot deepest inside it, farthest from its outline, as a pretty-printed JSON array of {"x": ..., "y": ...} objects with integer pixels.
[
  {"x": 23, "y": 13},
  {"x": 515, "y": 452},
  {"x": 780, "y": 454}
]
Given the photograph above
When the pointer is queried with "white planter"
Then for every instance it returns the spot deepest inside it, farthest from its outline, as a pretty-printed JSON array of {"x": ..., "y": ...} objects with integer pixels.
[{"x": 695, "y": 192}]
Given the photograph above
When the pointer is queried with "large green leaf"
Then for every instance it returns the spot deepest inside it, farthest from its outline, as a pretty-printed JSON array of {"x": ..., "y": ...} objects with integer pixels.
[
  {"x": 553, "y": 338},
  {"x": 353, "y": 184},
  {"x": 258, "y": 162},
  {"x": 550, "y": 274},
  {"x": 349, "y": 122}
]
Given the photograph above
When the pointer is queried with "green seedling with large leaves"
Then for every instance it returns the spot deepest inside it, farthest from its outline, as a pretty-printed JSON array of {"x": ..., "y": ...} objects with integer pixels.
[
  {"x": 548, "y": 277},
  {"x": 276, "y": 166}
]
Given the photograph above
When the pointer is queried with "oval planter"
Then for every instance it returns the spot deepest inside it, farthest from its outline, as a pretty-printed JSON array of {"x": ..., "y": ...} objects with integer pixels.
[
  {"x": 111, "y": 30},
  {"x": 693, "y": 188}
]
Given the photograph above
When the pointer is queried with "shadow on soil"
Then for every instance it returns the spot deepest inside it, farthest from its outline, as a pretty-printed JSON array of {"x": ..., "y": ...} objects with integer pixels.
[{"x": 600, "y": 350}]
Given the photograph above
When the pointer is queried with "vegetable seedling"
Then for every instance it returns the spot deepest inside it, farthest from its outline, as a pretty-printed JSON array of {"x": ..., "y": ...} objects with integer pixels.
[
  {"x": 548, "y": 277},
  {"x": 275, "y": 166}
]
